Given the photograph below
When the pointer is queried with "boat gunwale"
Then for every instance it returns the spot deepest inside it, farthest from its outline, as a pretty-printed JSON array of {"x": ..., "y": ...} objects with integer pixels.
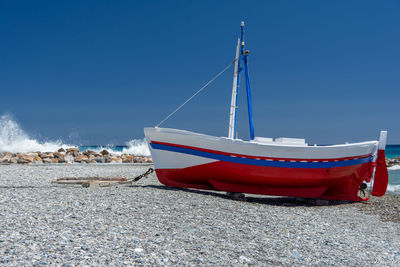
[{"x": 272, "y": 144}]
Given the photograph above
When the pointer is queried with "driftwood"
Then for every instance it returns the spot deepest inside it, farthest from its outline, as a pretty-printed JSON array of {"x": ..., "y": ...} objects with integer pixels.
[
  {"x": 101, "y": 181},
  {"x": 87, "y": 181}
]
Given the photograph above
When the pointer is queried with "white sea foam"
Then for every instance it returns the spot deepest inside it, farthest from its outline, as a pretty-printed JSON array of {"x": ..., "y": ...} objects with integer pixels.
[
  {"x": 137, "y": 147},
  {"x": 394, "y": 188},
  {"x": 393, "y": 168},
  {"x": 14, "y": 139}
]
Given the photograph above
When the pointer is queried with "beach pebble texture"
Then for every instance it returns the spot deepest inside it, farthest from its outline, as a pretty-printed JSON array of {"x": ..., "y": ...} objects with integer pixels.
[{"x": 150, "y": 224}]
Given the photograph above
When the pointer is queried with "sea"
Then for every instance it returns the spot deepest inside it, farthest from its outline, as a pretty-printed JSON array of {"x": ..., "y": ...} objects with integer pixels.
[{"x": 14, "y": 139}]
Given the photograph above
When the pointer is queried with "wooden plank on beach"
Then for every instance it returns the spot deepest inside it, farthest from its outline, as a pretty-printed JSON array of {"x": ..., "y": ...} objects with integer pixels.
[{"x": 87, "y": 181}]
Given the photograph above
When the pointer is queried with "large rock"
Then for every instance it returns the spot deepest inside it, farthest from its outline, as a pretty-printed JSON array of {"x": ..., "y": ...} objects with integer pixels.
[
  {"x": 393, "y": 161},
  {"x": 139, "y": 159},
  {"x": 100, "y": 159},
  {"x": 89, "y": 152},
  {"x": 38, "y": 159},
  {"x": 81, "y": 158},
  {"x": 69, "y": 158},
  {"x": 59, "y": 155},
  {"x": 25, "y": 159},
  {"x": 72, "y": 150},
  {"x": 104, "y": 152},
  {"x": 46, "y": 155},
  {"x": 127, "y": 158},
  {"x": 116, "y": 160},
  {"x": 4, "y": 160},
  {"x": 74, "y": 154},
  {"x": 47, "y": 160},
  {"x": 61, "y": 150}
]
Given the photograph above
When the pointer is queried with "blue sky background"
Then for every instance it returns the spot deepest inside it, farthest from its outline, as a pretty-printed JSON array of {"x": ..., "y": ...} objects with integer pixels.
[{"x": 97, "y": 72}]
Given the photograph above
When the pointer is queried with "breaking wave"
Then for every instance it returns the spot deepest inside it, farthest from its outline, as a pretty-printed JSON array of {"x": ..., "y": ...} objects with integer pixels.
[
  {"x": 393, "y": 168},
  {"x": 394, "y": 188},
  {"x": 14, "y": 139},
  {"x": 137, "y": 147}
]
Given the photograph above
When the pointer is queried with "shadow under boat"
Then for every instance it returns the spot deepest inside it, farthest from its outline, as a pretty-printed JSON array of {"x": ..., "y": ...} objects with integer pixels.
[{"x": 266, "y": 200}]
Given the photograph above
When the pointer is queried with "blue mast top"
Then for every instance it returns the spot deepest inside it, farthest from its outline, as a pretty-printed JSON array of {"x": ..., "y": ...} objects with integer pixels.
[{"x": 243, "y": 55}]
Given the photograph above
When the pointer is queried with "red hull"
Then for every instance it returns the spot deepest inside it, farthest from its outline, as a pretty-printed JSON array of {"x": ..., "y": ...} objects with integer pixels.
[{"x": 339, "y": 183}]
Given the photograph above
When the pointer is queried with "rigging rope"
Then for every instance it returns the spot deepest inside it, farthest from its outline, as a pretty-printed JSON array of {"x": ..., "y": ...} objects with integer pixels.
[{"x": 201, "y": 89}]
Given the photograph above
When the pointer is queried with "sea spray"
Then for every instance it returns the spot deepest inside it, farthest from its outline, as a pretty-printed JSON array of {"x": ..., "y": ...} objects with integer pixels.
[
  {"x": 137, "y": 147},
  {"x": 394, "y": 168},
  {"x": 14, "y": 139}
]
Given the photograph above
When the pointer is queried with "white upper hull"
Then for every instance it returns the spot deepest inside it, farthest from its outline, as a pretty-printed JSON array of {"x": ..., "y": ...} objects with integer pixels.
[{"x": 272, "y": 150}]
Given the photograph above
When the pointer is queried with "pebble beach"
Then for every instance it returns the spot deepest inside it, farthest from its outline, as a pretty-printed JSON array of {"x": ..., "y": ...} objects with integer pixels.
[{"x": 146, "y": 223}]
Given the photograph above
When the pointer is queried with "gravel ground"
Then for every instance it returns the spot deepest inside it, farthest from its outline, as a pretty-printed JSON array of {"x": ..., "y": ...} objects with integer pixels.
[{"x": 150, "y": 224}]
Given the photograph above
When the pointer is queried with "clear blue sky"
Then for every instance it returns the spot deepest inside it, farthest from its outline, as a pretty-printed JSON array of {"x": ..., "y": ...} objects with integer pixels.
[{"x": 328, "y": 71}]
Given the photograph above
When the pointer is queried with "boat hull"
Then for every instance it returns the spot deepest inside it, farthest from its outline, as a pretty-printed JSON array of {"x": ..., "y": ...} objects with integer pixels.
[{"x": 190, "y": 160}]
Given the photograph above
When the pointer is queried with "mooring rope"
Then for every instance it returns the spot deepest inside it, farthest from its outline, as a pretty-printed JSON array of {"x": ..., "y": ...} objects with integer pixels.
[{"x": 195, "y": 94}]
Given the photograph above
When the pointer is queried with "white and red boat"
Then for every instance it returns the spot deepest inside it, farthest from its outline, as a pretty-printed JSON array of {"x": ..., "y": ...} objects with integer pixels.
[{"x": 280, "y": 166}]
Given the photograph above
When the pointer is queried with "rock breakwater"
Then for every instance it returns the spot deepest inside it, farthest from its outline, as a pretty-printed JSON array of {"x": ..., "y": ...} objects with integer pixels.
[
  {"x": 71, "y": 155},
  {"x": 393, "y": 162}
]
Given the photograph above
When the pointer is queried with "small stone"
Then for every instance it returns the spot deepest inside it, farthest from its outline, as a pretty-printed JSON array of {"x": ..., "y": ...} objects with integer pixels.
[
  {"x": 138, "y": 250},
  {"x": 61, "y": 150},
  {"x": 244, "y": 258}
]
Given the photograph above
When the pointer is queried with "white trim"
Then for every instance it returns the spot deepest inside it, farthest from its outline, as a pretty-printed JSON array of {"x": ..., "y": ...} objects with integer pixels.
[
  {"x": 382, "y": 140},
  {"x": 275, "y": 150}
]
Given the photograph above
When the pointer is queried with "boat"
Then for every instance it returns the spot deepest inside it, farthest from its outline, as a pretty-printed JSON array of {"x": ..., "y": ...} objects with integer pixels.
[{"x": 267, "y": 166}]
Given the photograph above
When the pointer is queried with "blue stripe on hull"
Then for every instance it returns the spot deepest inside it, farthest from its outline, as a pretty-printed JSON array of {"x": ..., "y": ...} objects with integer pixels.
[{"x": 265, "y": 163}]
